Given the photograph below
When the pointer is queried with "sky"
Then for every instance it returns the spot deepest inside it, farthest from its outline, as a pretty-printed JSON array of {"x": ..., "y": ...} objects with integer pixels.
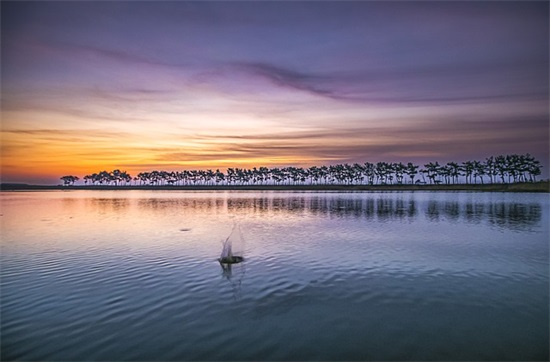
[{"x": 174, "y": 85}]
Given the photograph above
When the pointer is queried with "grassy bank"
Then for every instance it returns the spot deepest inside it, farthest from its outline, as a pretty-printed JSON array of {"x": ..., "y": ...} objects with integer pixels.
[{"x": 541, "y": 186}]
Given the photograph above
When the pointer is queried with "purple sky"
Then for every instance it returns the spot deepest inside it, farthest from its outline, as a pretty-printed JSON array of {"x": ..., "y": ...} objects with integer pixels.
[{"x": 179, "y": 85}]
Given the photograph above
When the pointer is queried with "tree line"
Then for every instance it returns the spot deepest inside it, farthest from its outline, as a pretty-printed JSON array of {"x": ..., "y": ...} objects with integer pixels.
[{"x": 494, "y": 169}]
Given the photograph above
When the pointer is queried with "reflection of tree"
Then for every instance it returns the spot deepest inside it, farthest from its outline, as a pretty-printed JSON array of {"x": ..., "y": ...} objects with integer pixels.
[
  {"x": 502, "y": 214},
  {"x": 370, "y": 208},
  {"x": 382, "y": 208},
  {"x": 474, "y": 212},
  {"x": 108, "y": 204},
  {"x": 385, "y": 209},
  {"x": 451, "y": 210},
  {"x": 433, "y": 211},
  {"x": 375, "y": 207},
  {"x": 514, "y": 215},
  {"x": 206, "y": 204}
]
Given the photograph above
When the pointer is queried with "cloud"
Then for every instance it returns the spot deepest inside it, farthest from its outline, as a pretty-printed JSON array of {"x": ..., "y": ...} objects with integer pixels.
[
  {"x": 216, "y": 84},
  {"x": 66, "y": 135},
  {"x": 287, "y": 78},
  {"x": 431, "y": 140},
  {"x": 443, "y": 84},
  {"x": 450, "y": 126}
]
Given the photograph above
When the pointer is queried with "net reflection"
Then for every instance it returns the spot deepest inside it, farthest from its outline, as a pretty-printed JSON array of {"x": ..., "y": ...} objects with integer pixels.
[{"x": 234, "y": 274}]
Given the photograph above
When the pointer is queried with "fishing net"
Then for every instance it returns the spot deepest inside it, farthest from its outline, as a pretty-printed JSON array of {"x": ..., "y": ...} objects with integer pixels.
[{"x": 233, "y": 247}]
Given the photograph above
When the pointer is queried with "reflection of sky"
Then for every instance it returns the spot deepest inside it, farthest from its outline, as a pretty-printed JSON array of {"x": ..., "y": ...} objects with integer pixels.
[
  {"x": 320, "y": 264},
  {"x": 187, "y": 211},
  {"x": 398, "y": 234},
  {"x": 174, "y": 85},
  {"x": 405, "y": 234},
  {"x": 156, "y": 251}
]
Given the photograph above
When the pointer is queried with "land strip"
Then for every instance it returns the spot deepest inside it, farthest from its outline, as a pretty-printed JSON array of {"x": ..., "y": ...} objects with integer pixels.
[{"x": 541, "y": 186}]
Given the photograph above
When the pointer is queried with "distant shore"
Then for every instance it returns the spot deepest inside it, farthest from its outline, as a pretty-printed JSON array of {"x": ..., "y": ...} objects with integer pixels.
[{"x": 540, "y": 186}]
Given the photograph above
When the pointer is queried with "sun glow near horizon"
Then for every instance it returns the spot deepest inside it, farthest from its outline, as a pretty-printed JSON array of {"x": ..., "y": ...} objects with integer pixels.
[{"x": 46, "y": 154}]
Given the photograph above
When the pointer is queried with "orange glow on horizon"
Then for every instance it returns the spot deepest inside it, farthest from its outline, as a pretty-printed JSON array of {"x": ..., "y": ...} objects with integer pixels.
[{"x": 49, "y": 144}]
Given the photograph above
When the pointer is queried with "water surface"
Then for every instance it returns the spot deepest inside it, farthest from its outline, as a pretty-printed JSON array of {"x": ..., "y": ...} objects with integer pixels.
[{"x": 132, "y": 275}]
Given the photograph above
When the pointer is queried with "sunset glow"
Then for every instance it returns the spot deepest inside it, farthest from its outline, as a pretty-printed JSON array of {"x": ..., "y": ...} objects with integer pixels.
[{"x": 139, "y": 86}]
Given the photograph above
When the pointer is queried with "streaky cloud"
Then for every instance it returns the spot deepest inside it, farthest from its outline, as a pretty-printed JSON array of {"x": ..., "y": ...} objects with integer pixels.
[
  {"x": 416, "y": 85},
  {"x": 538, "y": 127},
  {"x": 280, "y": 76},
  {"x": 429, "y": 140}
]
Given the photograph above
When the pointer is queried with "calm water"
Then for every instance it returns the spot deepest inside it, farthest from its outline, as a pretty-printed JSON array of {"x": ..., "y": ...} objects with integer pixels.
[{"x": 132, "y": 275}]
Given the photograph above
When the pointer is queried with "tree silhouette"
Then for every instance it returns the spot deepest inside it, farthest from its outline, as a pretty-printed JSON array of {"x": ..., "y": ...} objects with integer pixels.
[
  {"x": 478, "y": 170},
  {"x": 411, "y": 170},
  {"x": 432, "y": 171},
  {"x": 69, "y": 180},
  {"x": 503, "y": 168}
]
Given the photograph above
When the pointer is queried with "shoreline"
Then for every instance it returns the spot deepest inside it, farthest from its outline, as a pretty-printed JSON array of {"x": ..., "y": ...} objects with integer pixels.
[{"x": 540, "y": 186}]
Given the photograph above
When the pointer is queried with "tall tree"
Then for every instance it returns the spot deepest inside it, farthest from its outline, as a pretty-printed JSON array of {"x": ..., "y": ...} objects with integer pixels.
[
  {"x": 69, "y": 180},
  {"x": 411, "y": 170}
]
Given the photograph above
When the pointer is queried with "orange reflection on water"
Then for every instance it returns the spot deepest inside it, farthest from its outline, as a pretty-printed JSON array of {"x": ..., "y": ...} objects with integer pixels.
[{"x": 145, "y": 217}]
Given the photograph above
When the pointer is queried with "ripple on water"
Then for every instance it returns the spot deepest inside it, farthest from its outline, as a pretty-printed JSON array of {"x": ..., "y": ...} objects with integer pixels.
[{"x": 332, "y": 282}]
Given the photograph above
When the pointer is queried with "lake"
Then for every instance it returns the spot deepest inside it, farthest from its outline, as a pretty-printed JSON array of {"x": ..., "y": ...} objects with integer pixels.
[{"x": 133, "y": 275}]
